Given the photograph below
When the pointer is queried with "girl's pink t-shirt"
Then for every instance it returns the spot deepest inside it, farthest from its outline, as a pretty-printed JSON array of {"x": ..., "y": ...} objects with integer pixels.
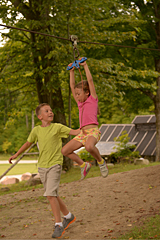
[{"x": 88, "y": 111}]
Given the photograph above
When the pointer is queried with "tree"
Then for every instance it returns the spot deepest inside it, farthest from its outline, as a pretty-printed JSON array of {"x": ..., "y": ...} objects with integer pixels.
[
  {"x": 37, "y": 61},
  {"x": 131, "y": 72},
  {"x": 120, "y": 74},
  {"x": 147, "y": 34}
]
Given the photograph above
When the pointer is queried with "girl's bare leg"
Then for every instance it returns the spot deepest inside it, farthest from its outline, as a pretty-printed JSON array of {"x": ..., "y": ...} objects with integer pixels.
[
  {"x": 68, "y": 151},
  {"x": 91, "y": 148}
]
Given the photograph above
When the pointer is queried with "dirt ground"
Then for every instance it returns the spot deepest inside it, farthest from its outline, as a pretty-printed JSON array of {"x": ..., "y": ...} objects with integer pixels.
[{"x": 105, "y": 208}]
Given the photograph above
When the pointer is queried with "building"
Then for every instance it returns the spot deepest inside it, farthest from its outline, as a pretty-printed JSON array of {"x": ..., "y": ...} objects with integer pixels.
[{"x": 142, "y": 133}]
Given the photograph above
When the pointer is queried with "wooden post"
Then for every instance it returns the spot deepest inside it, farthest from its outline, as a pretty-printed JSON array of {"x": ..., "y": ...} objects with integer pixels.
[{"x": 32, "y": 119}]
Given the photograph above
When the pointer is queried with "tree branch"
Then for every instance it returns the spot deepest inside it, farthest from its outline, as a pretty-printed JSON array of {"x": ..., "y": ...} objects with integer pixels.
[
  {"x": 148, "y": 93},
  {"x": 25, "y": 10}
]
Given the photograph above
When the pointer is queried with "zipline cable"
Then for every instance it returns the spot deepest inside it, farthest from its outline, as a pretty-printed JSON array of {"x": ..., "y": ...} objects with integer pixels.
[{"x": 66, "y": 39}]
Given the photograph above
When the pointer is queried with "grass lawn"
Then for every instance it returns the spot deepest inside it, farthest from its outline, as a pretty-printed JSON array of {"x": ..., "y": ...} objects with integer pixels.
[
  {"x": 27, "y": 157},
  {"x": 150, "y": 230},
  {"x": 19, "y": 168},
  {"x": 74, "y": 173}
]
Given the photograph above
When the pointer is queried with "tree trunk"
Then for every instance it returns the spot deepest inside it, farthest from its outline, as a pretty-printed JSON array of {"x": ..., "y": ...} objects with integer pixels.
[
  {"x": 157, "y": 98},
  {"x": 157, "y": 114}
]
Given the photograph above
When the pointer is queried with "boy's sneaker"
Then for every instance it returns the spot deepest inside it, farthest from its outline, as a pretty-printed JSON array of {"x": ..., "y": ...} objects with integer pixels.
[
  {"x": 58, "y": 232},
  {"x": 85, "y": 170},
  {"x": 67, "y": 222},
  {"x": 104, "y": 169}
]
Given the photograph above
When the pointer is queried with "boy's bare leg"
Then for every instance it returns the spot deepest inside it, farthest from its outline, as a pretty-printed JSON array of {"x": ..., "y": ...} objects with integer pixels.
[
  {"x": 62, "y": 206},
  {"x": 68, "y": 149},
  {"x": 55, "y": 208}
]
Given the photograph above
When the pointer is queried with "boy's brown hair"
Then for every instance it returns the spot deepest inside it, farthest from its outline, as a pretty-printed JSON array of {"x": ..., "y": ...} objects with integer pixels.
[{"x": 39, "y": 108}]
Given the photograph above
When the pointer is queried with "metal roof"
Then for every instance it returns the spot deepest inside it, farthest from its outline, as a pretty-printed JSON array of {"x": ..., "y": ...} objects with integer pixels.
[{"x": 145, "y": 138}]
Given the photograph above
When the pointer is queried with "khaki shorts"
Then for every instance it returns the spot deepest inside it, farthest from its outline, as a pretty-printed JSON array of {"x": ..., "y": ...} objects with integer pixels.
[
  {"x": 50, "y": 178},
  {"x": 82, "y": 137}
]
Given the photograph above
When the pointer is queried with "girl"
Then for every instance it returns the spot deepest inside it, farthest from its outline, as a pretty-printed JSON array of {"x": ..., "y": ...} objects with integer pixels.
[{"x": 85, "y": 95}]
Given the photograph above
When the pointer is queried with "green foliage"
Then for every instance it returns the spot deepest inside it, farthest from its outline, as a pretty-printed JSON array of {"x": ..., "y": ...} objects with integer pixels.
[
  {"x": 5, "y": 146},
  {"x": 13, "y": 136},
  {"x": 124, "y": 150},
  {"x": 85, "y": 156},
  {"x": 33, "y": 67}
]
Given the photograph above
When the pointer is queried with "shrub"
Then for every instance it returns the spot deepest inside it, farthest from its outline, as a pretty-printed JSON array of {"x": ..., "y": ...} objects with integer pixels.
[
  {"x": 124, "y": 150},
  {"x": 85, "y": 156}
]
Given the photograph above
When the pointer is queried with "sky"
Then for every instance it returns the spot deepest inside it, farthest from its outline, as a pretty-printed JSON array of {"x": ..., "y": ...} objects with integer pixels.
[{"x": 2, "y": 30}]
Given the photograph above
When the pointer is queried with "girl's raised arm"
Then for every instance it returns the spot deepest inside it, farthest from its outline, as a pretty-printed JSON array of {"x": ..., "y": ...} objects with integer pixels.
[
  {"x": 90, "y": 80},
  {"x": 72, "y": 82}
]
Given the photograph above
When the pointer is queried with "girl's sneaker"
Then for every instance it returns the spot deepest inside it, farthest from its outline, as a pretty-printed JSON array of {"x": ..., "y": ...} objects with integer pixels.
[
  {"x": 104, "y": 169},
  {"x": 85, "y": 170}
]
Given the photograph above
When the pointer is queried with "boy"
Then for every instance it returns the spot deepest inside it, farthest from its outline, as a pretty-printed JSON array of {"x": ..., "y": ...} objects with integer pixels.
[{"x": 49, "y": 137}]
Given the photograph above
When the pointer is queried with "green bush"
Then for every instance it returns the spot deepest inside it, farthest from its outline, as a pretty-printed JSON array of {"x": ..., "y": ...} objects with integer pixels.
[
  {"x": 124, "y": 151},
  {"x": 85, "y": 156},
  {"x": 12, "y": 138}
]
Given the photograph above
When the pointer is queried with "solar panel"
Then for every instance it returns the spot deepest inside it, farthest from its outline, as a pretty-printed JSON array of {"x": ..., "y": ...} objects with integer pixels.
[
  {"x": 138, "y": 137},
  {"x": 103, "y": 128},
  {"x": 116, "y": 132},
  {"x": 131, "y": 133},
  {"x": 142, "y": 131},
  {"x": 107, "y": 133},
  {"x": 141, "y": 119},
  {"x": 150, "y": 148},
  {"x": 147, "y": 137},
  {"x": 127, "y": 128},
  {"x": 153, "y": 119}
]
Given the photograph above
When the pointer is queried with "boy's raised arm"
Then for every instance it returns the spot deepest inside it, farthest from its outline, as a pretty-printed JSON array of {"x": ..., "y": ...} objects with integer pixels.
[{"x": 21, "y": 150}]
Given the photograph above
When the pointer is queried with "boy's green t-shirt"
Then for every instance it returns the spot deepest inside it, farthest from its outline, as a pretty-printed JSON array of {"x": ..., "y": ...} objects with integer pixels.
[{"x": 50, "y": 143}]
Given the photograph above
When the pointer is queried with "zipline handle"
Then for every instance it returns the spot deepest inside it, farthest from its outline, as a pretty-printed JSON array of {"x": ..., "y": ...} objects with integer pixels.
[{"x": 76, "y": 63}]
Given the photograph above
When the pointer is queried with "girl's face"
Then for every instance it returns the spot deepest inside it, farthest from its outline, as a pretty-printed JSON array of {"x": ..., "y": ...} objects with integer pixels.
[{"x": 81, "y": 95}]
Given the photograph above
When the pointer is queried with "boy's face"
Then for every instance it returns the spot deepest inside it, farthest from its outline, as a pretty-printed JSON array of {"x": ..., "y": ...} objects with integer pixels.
[{"x": 46, "y": 114}]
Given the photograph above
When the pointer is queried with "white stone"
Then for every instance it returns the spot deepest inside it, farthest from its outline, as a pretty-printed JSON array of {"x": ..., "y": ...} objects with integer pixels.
[
  {"x": 8, "y": 180},
  {"x": 141, "y": 161},
  {"x": 26, "y": 176}
]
